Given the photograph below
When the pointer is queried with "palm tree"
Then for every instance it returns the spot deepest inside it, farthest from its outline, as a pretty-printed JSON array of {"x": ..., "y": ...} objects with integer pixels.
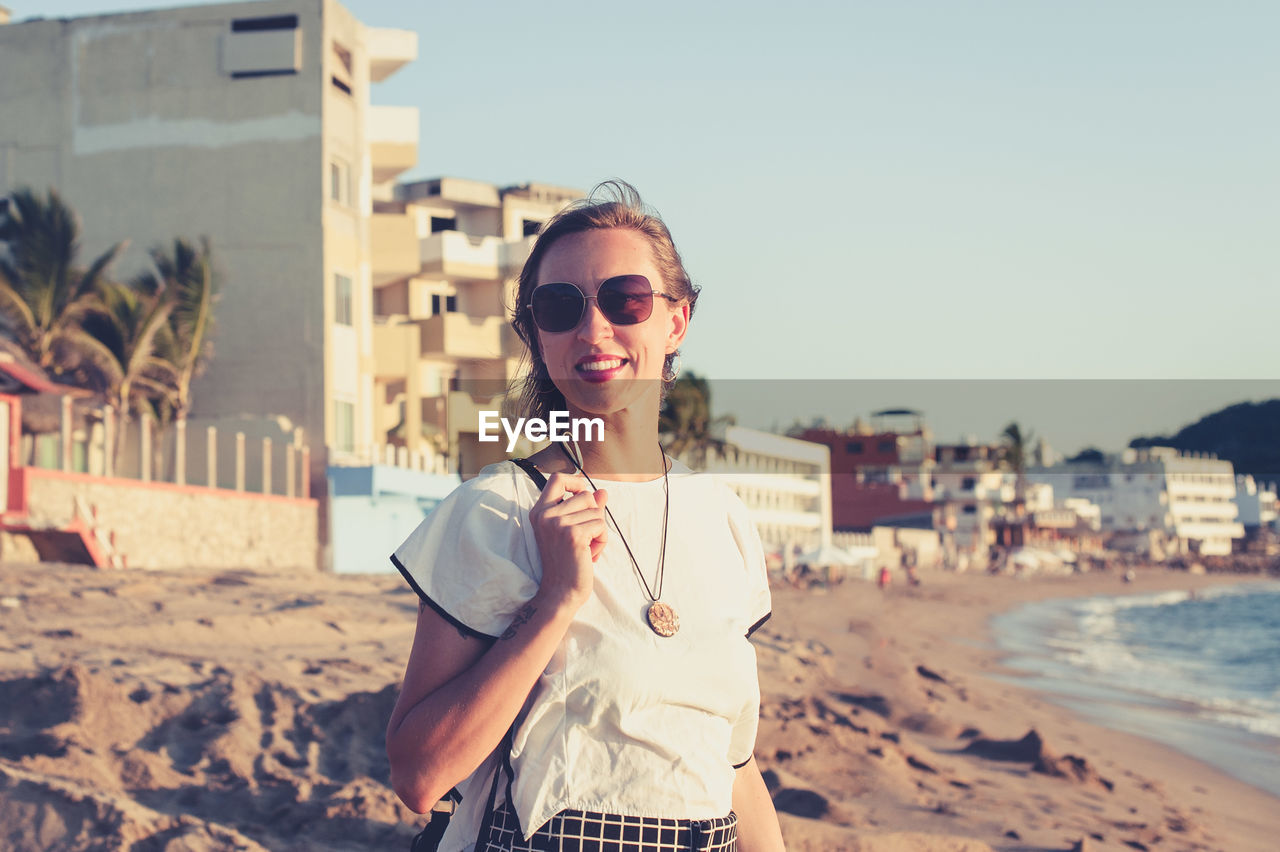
[
  {"x": 686, "y": 420},
  {"x": 44, "y": 296},
  {"x": 186, "y": 278},
  {"x": 125, "y": 323},
  {"x": 1014, "y": 457}
]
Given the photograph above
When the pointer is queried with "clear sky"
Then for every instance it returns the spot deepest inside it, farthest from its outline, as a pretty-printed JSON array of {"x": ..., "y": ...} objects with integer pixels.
[{"x": 937, "y": 189}]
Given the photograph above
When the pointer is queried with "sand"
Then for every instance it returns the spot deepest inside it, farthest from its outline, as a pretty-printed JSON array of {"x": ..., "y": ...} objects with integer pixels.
[{"x": 195, "y": 711}]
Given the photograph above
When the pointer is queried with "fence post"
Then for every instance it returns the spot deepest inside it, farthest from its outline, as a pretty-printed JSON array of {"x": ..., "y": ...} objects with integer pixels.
[
  {"x": 306, "y": 473},
  {"x": 239, "y": 461},
  {"x": 144, "y": 447},
  {"x": 65, "y": 442},
  {"x": 211, "y": 456},
  {"x": 290, "y": 469},
  {"x": 266, "y": 465},
  {"x": 108, "y": 441},
  {"x": 180, "y": 451}
]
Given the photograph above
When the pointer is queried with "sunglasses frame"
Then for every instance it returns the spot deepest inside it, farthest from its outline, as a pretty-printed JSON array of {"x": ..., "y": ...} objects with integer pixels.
[{"x": 582, "y": 312}]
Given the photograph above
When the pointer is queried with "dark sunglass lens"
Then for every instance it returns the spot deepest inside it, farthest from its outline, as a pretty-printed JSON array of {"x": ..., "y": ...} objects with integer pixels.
[
  {"x": 557, "y": 307},
  {"x": 626, "y": 300}
]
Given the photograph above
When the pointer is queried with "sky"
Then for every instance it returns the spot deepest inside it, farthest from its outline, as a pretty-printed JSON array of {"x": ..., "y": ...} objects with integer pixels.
[{"x": 937, "y": 194}]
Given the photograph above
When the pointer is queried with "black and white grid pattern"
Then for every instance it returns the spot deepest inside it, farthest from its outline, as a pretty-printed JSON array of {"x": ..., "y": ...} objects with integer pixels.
[{"x": 589, "y": 831}]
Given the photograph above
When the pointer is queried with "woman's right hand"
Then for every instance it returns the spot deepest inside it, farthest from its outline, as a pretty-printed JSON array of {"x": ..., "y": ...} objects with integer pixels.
[{"x": 569, "y": 526}]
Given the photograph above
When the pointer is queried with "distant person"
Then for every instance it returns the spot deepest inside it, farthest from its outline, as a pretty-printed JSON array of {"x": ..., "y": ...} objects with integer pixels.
[
  {"x": 885, "y": 577},
  {"x": 581, "y": 661}
]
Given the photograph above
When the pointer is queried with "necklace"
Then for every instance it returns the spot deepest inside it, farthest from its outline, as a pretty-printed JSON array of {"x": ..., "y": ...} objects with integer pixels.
[{"x": 662, "y": 617}]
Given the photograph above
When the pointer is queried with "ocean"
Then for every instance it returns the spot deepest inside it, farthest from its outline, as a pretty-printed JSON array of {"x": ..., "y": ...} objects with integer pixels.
[{"x": 1197, "y": 671}]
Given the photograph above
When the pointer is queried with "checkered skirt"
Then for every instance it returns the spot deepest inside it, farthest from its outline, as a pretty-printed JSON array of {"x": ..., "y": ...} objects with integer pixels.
[{"x": 590, "y": 831}]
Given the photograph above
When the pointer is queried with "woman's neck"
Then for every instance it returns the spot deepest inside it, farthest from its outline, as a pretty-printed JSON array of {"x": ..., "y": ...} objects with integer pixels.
[{"x": 629, "y": 452}]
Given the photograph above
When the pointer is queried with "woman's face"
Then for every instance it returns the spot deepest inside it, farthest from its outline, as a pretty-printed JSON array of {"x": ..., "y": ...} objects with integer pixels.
[{"x": 602, "y": 368}]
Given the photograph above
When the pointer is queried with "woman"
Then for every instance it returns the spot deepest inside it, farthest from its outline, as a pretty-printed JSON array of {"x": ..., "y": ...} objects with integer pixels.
[{"x": 607, "y": 623}]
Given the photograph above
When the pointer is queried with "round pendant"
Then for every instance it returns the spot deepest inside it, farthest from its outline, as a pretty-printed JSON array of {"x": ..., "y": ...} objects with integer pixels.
[{"x": 663, "y": 619}]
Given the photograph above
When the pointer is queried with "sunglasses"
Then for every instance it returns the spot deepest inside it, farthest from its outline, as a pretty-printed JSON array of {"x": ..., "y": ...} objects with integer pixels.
[{"x": 624, "y": 300}]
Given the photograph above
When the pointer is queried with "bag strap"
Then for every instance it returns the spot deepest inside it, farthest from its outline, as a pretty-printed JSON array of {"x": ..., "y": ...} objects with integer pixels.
[
  {"x": 429, "y": 838},
  {"x": 504, "y": 765}
]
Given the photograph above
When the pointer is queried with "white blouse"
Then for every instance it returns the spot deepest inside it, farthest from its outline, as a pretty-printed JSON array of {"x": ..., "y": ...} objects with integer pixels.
[{"x": 621, "y": 720}]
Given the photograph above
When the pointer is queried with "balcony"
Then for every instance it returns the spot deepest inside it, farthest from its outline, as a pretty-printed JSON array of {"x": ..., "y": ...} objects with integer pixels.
[
  {"x": 395, "y": 349},
  {"x": 389, "y": 50},
  {"x": 514, "y": 254},
  {"x": 393, "y": 239},
  {"x": 461, "y": 336},
  {"x": 453, "y": 254},
  {"x": 393, "y": 141}
]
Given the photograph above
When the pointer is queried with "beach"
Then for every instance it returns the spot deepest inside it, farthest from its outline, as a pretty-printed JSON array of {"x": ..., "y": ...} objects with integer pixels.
[{"x": 239, "y": 710}]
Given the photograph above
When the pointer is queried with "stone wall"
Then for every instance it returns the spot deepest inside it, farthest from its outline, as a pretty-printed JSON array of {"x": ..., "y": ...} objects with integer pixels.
[{"x": 158, "y": 525}]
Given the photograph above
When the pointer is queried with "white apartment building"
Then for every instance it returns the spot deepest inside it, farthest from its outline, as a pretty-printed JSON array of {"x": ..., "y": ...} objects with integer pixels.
[
  {"x": 446, "y": 254},
  {"x": 784, "y": 482},
  {"x": 1188, "y": 498},
  {"x": 970, "y": 490},
  {"x": 250, "y": 123},
  {"x": 1257, "y": 503}
]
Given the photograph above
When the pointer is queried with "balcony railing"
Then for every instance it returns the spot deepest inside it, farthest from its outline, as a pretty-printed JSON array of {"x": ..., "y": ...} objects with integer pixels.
[
  {"x": 457, "y": 255},
  {"x": 461, "y": 336}
]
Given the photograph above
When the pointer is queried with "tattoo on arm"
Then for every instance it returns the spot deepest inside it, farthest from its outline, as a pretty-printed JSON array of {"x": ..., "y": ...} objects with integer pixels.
[{"x": 522, "y": 617}]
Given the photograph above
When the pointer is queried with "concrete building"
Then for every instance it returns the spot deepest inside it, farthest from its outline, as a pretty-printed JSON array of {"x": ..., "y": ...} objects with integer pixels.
[
  {"x": 446, "y": 255},
  {"x": 784, "y": 482},
  {"x": 250, "y": 123},
  {"x": 1187, "y": 499},
  {"x": 1257, "y": 503}
]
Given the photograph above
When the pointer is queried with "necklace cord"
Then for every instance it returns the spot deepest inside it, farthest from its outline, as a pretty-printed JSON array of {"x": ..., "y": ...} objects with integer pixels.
[{"x": 666, "y": 507}]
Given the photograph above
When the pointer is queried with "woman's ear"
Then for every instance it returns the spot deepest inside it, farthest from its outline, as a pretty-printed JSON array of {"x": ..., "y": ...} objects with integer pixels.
[{"x": 679, "y": 326}]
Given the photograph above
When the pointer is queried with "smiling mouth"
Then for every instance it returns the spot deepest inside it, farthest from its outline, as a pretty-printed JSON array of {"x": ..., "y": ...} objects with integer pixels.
[{"x": 599, "y": 369}]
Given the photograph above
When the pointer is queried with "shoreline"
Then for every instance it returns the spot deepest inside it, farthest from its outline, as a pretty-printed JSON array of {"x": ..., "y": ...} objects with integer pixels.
[
  {"x": 1160, "y": 797},
  {"x": 1178, "y": 720}
]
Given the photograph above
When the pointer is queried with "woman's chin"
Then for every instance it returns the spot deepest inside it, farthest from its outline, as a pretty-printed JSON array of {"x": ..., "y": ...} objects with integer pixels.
[{"x": 600, "y": 399}]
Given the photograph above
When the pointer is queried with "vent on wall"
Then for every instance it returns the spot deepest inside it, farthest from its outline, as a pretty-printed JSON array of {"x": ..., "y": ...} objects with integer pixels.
[{"x": 262, "y": 47}]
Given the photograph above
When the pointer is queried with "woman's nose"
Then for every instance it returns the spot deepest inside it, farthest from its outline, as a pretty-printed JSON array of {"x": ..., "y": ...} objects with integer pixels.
[{"x": 594, "y": 326}]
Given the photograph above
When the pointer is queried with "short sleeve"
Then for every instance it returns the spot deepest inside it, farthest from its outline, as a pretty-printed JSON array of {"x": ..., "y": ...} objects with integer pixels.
[
  {"x": 470, "y": 559},
  {"x": 747, "y": 537}
]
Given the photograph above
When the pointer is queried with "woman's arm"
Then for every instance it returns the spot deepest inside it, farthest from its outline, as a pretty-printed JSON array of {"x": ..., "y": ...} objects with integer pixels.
[
  {"x": 460, "y": 693},
  {"x": 758, "y": 829}
]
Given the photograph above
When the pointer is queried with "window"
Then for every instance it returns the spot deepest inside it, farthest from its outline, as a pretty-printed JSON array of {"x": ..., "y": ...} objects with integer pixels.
[
  {"x": 344, "y": 426},
  {"x": 531, "y": 227},
  {"x": 886, "y": 446},
  {"x": 262, "y": 47},
  {"x": 971, "y": 510},
  {"x": 342, "y": 300},
  {"x": 968, "y": 483},
  {"x": 854, "y": 447},
  {"x": 443, "y": 304},
  {"x": 444, "y": 223},
  {"x": 339, "y": 181}
]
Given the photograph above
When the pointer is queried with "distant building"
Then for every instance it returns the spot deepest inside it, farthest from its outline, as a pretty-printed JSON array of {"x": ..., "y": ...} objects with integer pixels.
[
  {"x": 250, "y": 123},
  {"x": 971, "y": 489},
  {"x": 784, "y": 482},
  {"x": 1257, "y": 504},
  {"x": 880, "y": 474},
  {"x": 446, "y": 254},
  {"x": 1188, "y": 499}
]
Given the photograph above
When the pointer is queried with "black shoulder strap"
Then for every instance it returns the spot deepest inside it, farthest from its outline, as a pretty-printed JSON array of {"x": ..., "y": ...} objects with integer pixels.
[
  {"x": 429, "y": 838},
  {"x": 534, "y": 473}
]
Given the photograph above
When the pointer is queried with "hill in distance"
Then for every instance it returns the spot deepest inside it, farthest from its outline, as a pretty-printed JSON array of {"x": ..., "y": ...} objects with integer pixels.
[{"x": 1247, "y": 434}]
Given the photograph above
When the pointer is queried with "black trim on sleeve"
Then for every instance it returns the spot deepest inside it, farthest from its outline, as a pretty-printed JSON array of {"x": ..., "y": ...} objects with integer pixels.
[
  {"x": 752, "y": 629},
  {"x": 743, "y": 763},
  {"x": 469, "y": 631}
]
